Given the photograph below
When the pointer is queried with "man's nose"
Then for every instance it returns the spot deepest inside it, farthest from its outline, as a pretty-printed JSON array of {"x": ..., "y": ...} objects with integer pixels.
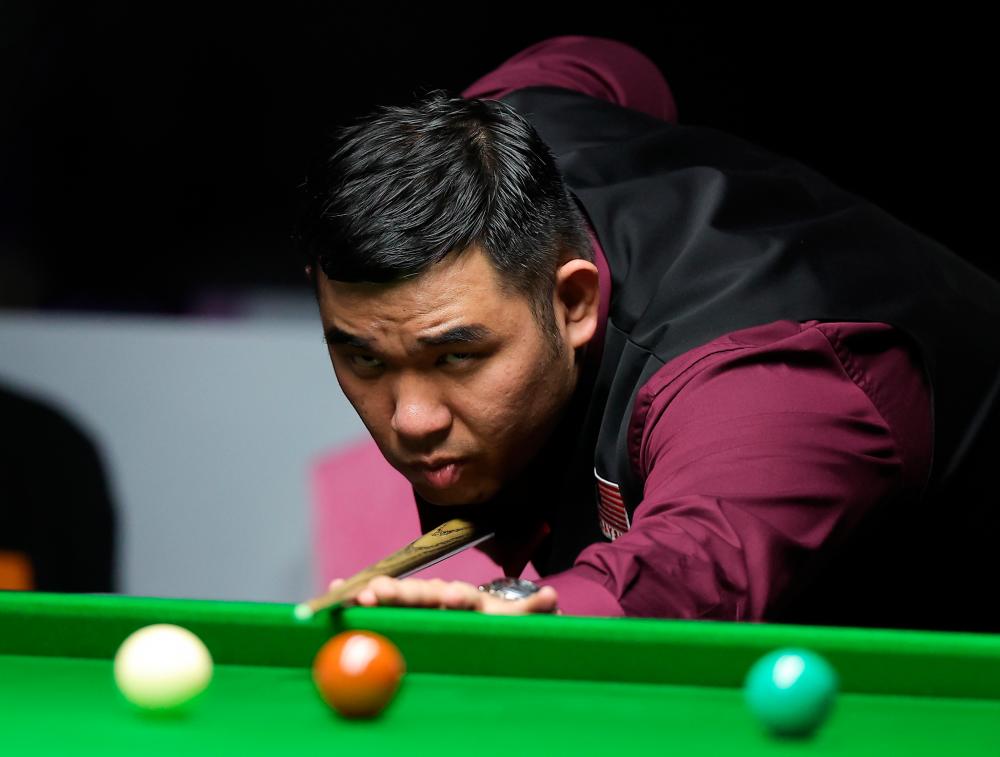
[{"x": 420, "y": 415}]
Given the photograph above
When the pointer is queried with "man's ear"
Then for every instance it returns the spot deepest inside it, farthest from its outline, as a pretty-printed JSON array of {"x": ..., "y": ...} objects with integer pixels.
[{"x": 577, "y": 299}]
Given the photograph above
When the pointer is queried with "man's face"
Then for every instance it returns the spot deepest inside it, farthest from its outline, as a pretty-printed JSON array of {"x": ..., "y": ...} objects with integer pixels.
[{"x": 451, "y": 374}]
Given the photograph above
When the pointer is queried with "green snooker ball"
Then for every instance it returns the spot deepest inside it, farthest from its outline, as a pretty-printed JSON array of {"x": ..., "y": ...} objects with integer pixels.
[{"x": 791, "y": 691}]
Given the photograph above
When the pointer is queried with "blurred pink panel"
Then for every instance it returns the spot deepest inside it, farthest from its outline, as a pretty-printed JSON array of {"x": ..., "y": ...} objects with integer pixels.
[{"x": 363, "y": 510}]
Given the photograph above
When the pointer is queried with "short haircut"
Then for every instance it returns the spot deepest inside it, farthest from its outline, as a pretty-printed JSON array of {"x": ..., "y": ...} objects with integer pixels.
[{"x": 406, "y": 186}]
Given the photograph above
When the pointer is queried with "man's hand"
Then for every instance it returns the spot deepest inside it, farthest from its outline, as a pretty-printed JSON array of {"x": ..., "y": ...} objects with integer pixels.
[{"x": 449, "y": 595}]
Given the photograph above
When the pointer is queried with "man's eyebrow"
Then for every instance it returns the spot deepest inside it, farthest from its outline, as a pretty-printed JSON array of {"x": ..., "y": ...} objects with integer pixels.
[
  {"x": 474, "y": 332},
  {"x": 334, "y": 335}
]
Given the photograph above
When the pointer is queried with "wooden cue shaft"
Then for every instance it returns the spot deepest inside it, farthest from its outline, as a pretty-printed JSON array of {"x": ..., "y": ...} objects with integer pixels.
[{"x": 444, "y": 541}]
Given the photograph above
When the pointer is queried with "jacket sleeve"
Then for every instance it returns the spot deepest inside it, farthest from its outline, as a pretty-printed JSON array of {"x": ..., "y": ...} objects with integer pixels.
[{"x": 758, "y": 462}]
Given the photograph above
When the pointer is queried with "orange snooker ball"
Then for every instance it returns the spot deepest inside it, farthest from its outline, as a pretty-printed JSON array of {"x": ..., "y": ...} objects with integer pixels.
[{"x": 357, "y": 673}]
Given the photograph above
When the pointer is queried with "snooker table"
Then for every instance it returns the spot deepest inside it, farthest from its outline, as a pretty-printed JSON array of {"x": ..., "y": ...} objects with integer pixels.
[{"x": 482, "y": 685}]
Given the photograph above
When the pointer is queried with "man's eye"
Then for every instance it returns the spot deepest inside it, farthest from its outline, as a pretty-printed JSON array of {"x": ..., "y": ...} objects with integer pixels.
[
  {"x": 456, "y": 358},
  {"x": 366, "y": 361}
]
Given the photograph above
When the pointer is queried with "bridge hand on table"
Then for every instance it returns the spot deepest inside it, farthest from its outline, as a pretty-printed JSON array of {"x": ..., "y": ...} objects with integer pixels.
[{"x": 450, "y": 595}]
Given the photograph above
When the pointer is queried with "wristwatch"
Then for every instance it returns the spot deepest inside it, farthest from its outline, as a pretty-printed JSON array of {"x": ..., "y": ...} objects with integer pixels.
[{"x": 510, "y": 588}]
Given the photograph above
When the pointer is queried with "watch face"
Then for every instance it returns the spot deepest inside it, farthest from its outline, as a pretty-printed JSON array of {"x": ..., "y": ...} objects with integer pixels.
[{"x": 510, "y": 588}]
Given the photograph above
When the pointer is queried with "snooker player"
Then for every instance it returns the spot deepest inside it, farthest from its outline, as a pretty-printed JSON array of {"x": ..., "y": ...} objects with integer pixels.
[{"x": 682, "y": 376}]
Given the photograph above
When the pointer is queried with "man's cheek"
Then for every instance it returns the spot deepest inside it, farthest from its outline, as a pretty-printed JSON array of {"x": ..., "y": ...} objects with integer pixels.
[
  {"x": 377, "y": 423},
  {"x": 374, "y": 411}
]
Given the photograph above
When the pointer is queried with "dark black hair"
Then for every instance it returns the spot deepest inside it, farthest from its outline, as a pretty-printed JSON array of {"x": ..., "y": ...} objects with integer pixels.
[{"x": 406, "y": 186}]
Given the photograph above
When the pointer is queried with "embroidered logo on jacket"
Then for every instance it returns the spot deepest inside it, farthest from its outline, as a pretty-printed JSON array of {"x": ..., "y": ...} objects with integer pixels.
[{"x": 611, "y": 509}]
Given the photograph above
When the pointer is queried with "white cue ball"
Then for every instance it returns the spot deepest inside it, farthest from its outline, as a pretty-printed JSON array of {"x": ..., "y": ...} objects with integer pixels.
[{"x": 162, "y": 667}]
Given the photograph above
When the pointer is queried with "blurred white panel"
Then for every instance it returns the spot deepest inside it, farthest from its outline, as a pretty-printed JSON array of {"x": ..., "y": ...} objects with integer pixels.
[{"x": 207, "y": 429}]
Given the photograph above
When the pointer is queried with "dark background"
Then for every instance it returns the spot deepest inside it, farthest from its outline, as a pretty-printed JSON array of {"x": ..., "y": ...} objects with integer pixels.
[{"x": 151, "y": 153}]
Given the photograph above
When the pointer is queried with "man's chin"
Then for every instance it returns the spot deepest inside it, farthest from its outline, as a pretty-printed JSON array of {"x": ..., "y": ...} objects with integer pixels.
[{"x": 451, "y": 497}]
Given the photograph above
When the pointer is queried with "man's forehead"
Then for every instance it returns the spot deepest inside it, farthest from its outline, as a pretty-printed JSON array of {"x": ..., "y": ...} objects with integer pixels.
[
  {"x": 465, "y": 281},
  {"x": 415, "y": 303}
]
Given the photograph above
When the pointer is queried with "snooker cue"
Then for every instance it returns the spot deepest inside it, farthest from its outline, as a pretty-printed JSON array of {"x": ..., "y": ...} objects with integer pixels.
[{"x": 444, "y": 541}]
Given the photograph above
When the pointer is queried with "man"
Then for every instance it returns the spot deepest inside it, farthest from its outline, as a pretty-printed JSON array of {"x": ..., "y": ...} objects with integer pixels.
[{"x": 682, "y": 376}]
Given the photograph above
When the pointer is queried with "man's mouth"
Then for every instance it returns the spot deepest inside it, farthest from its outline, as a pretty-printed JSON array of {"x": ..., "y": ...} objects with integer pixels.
[{"x": 440, "y": 476}]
